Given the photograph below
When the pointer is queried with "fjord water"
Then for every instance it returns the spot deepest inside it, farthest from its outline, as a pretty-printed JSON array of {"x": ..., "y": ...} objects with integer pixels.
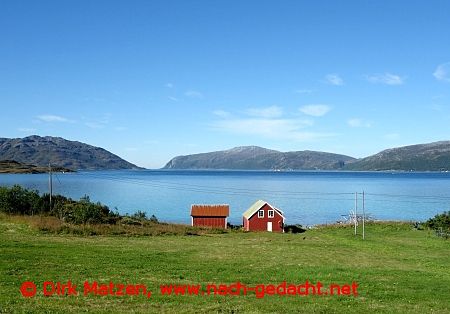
[{"x": 306, "y": 197}]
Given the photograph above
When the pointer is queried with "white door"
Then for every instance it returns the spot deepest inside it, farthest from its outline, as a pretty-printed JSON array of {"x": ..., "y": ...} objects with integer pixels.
[{"x": 269, "y": 226}]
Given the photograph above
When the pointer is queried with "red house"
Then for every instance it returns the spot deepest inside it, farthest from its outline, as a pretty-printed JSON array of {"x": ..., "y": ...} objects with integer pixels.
[
  {"x": 214, "y": 216},
  {"x": 262, "y": 216}
]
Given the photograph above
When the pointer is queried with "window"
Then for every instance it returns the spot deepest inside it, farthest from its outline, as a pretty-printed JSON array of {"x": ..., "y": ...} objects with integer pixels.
[
  {"x": 260, "y": 214},
  {"x": 271, "y": 214}
]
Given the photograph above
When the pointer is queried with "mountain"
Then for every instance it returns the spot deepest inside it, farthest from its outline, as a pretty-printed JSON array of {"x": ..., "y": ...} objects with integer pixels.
[
  {"x": 258, "y": 158},
  {"x": 423, "y": 157},
  {"x": 41, "y": 151}
]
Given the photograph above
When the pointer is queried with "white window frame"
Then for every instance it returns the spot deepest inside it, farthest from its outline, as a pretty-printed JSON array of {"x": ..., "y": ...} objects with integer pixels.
[
  {"x": 261, "y": 213},
  {"x": 271, "y": 211}
]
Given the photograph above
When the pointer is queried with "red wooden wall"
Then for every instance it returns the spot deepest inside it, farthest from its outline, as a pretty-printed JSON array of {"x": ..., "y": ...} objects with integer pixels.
[
  {"x": 260, "y": 224},
  {"x": 214, "y": 222}
]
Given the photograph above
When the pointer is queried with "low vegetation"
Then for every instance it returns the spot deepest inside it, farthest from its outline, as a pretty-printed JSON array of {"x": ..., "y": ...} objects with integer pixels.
[
  {"x": 439, "y": 221},
  {"x": 83, "y": 217}
]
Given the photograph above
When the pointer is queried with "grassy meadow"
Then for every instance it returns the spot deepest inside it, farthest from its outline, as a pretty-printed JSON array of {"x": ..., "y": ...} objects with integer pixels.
[{"x": 398, "y": 269}]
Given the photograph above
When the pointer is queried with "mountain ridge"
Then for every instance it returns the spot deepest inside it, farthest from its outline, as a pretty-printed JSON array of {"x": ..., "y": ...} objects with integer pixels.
[
  {"x": 59, "y": 152},
  {"x": 434, "y": 156},
  {"x": 259, "y": 158}
]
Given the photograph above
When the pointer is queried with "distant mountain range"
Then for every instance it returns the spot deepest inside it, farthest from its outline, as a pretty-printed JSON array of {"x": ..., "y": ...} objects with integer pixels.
[
  {"x": 423, "y": 157},
  {"x": 34, "y": 153},
  {"x": 258, "y": 158},
  {"x": 42, "y": 151}
]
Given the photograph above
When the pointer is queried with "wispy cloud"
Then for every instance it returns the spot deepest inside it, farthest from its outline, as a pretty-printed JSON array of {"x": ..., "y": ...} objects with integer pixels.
[
  {"x": 151, "y": 142},
  {"x": 392, "y": 136},
  {"x": 442, "y": 72},
  {"x": 267, "y": 122},
  {"x": 99, "y": 122},
  {"x": 221, "y": 113},
  {"x": 268, "y": 112},
  {"x": 303, "y": 91},
  {"x": 26, "y": 130},
  {"x": 283, "y": 129},
  {"x": 315, "y": 110},
  {"x": 358, "y": 123},
  {"x": 169, "y": 85},
  {"x": 173, "y": 98},
  {"x": 193, "y": 94},
  {"x": 94, "y": 125},
  {"x": 386, "y": 78},
  {"x": 52, "y": 118},
  {"x": 334, "y": 79}
]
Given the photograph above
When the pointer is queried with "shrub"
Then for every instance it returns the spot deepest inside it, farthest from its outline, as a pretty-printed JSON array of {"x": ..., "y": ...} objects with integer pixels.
[
  {"x": 294, "y": 229},
  {"x": 439, "y": 221}
]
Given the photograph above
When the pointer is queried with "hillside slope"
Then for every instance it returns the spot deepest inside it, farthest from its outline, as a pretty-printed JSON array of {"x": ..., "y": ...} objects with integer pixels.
[
  {"x": 258, "y": 158},
  {"x": 59, "y": 152},
  {"x": 423, "y": 157}
]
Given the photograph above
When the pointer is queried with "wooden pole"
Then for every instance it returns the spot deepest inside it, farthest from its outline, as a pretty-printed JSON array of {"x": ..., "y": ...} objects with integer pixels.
[
  {"x": 356, "y": 210},
  {"x": 364, "y": 215},
  {"x": 50, "y": 183}
]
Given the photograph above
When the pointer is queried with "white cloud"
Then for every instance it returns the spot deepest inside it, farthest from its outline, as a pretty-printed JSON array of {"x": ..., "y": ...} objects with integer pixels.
[
  {"x": 386, "y": 78},
  {"x": 94, "y": 125},
  {"x": 173, "y": 98},
  {"x": 358, "y": 123},
  {"x": 193, "y": 94},
  {"x": 151, "y": 142},
  {"x": 282, "y": 129},
  {"x": 334, "y": 79},
  {"x": 442, "y": 72},
  {"x": 169, "y": 85},
  {"x": 26, "y": 130},
  {"x": 268, "y": 112},
  {"x": 98, "y": 122},
  {"x": 392, "y": 136},
  {"x": 303, "y": 91},
  {"x": 52, "y": 118},
  {"x": 315, "y": 110},
  {"x": 267, "y": 122},
  {"x": 221, "y": 113}
]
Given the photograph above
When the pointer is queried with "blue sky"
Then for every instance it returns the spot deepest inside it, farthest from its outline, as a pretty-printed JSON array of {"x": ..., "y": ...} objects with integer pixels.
[{"x": 149, "y": 80}]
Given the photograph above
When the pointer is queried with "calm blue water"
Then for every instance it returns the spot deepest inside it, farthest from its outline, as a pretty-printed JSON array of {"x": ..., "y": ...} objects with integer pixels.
[{"x": 305, "y": 197}]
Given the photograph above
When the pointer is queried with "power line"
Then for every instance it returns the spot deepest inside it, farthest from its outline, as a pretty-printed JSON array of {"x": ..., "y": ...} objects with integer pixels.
[{"x": 299, "y": 195}]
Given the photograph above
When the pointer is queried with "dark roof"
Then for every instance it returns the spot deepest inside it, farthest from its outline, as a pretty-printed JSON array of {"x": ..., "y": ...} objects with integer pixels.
[{"x": 210, "y": 210}]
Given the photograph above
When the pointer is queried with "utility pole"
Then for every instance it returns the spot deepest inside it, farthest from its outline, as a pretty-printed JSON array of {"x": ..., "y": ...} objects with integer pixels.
[
  {"x": 364, "y": 215},
  {"x": 356, "y": 210},
  {"x": 50, "y": 183}
]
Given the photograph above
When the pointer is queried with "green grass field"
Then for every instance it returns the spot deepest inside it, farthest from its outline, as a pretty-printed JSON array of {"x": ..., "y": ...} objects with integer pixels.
[{"x": 398, "y": 269}]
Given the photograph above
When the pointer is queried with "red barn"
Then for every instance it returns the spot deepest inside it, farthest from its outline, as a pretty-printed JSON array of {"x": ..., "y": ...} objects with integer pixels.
[
  {"x": 214, "y": 216},
  {"x": 262, "y": 216}
]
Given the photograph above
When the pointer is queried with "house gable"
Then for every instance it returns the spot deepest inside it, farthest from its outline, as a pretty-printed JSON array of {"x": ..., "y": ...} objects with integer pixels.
[
  {"x": 262, "y": 216},
  {"x": 249, "y": 213}
]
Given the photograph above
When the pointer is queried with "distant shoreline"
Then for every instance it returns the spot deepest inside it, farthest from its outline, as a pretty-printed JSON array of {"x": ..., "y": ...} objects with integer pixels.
[{"x": 14, "y": 167}]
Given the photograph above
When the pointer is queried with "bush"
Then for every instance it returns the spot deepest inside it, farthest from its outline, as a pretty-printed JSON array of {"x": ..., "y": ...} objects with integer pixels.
[
  {"x": 19, "y": 201},
  {"x": 140, "y": 215},
  {"x": 439, "y": 221},
  {"x": 294, "y": 229}
]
